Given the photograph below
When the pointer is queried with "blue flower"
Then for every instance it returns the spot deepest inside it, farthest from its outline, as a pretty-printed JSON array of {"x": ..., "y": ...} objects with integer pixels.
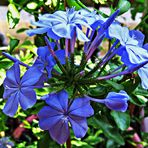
[
  {"x": 117, "y": 101},
  {"x": 130, "y": 51},
  {"x": 59, "y": 113},
  {"x": 93, "y": 19},
  {"x": 61, "y": 24},
  {"x": 20, "y": 91},
  {"x": 46, "y": 61},
  {"x": 114, "y": 101}
]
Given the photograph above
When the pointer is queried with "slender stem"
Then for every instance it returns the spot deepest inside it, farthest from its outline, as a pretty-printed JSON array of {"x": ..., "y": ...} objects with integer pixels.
[
  {"x": 14, "y": 59},
  {"x": 58, "y": 44},
  {"x": 68, "y": 143},
  {"x": 110, "y": 50},
  {"x": 96, "y": 100},
  {"x": 121, "y": 66},
  {"x": 54, "y": 56}
]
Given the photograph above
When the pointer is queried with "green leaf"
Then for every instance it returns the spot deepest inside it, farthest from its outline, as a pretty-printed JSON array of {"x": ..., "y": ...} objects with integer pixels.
[
  {"x": 115, "y": 85},
  {"x": 73, "y": 3},
  {"x": 13, "y": 44},
  {"x": 108, "y": 130},
  {"x": 21, "y": 30},
  {"x": 13, "y": 16},
  {"x": 46, "y": 142},
  {"x": 122, "y": 119},
  {"x": 132, "y": 82}
]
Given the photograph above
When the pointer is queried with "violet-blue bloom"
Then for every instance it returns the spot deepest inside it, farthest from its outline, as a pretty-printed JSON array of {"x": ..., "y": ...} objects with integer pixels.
[
  {"x": 20, "y": 91},
  {"x": 114, "y": 101},
  {"x": 130, "y": 51},
  {"x": 61, "y": 24},
  {"x": 60, "y": 112},
  {"x": 46, "y": 61}
]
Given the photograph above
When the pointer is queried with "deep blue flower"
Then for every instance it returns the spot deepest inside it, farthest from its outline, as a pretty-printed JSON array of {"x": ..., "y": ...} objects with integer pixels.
[
  {"x": 46, "y": 61},
  {"x": 20, "y": 91},
  {"x": 114, "y": 101},
  {"x": 60, "y": 112},
  {"x": 130, "y": 51},
  {"x": 61, "y": 24}
]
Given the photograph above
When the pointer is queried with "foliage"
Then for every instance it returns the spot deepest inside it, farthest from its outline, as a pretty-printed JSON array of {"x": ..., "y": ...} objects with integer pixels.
[{"x": 107, "y": 128}]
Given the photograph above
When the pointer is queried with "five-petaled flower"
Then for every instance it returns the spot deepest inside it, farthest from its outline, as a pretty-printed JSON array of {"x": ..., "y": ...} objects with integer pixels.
[
  {"x": 60, "y": 112},
  {"x": 20, "y": 91},
  {"x": 61, "y": 24},
  {"x": 46, "y": 61}
]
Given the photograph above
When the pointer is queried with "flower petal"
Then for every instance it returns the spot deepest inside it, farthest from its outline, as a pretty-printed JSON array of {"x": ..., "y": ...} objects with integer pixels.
[
  {"x": 43, "y": 52},
  {"x": 143, "y": 73},
  {"x": 61, "y": 55},
  {"x": 137, "y": 35},
  {"x": 31, "y": 76},
  {"x": 27, "y": 98},
  {"x": 60, "y": 131},
  {"x": 48, "y": 117},
  {"x": 81, "y": 36},
  {"x": 79, "y": 126},
  {"x": 58, "y": 101},
  {"x": 63, "y": 30},
  {"x": 32, "y": 32},
  {"x": 13, "y": 74},
  {"x": 11, "y": 105},
  {"x": 52, "y": 35},
  {"x": 81, "y": 107}
]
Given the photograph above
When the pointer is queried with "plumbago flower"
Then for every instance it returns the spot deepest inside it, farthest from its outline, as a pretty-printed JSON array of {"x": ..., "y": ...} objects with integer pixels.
[
  {"x": 68, "y": 106},
  {"x": 61, "y": 24},
  {"x": 56, "y": 116},
  {"x": 20, "y": 91},
  {"x": 46, "y": 61},
  {"x": 132, "y": 51}
]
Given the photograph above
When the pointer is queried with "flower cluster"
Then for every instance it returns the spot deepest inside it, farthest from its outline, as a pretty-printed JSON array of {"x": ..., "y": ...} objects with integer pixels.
[{"x": 66, "y": 109}]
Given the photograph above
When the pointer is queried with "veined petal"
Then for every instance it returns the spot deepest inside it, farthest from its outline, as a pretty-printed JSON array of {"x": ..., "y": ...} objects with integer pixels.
[
  {"x": 32, "y": 32},
  {"x": 27, "y": 98},
  {"x": 48, "y": 117},
  {"x": 13, "y": 74},
  {"x": 52, "y": 35},
  {"x": 136, "y": 54},
  {"x": 61, "y": 55},
  {"x": 143, "y": 73},
  {"x": 60, "y": 131},
  {"x": 138, "y": 36},
  {"x": 9, "y": 88},
  {"x": 63, "y": 30},
  {"x": 79, "y": 126},
  {"x": 81, "y": 36},
  {"x": 81, "y": 107},
  {"x": 145, "y": 46},
  {"x": 43, "y": 52},
  {"x": 11, "y": 105},
  {"x": 58, "y": 101},
  {"x": 31, "y": 77}
]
